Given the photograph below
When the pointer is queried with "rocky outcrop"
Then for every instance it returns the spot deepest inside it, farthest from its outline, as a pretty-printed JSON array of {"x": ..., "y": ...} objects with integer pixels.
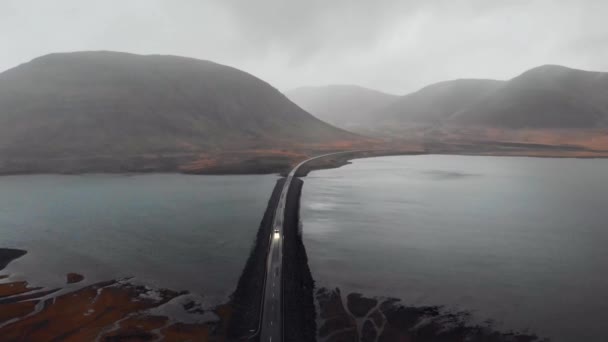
[
  {"x": 9, "y": 254},
  {"x": 72, "y": 278},
  {"x": 360, "y": 318}
]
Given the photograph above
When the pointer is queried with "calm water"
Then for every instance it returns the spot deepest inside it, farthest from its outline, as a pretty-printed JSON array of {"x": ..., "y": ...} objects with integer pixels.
[
  {"x": 175, "y": 231},
  {"x": 522, "y": 241}
]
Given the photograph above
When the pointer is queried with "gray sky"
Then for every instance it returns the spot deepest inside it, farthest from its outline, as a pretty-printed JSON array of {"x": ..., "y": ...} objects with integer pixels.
[{"x": 392, "y": 45}]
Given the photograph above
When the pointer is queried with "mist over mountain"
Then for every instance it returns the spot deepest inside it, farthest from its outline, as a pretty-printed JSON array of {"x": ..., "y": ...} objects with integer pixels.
[
  {"x": 346, "y": 106},
  {"x": 437, "y": 102},
  {"x": 86, "y": 104}
]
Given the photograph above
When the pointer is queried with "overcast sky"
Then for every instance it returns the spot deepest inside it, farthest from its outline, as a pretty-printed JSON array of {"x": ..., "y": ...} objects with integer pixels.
[{"x": 392, "y": 45}]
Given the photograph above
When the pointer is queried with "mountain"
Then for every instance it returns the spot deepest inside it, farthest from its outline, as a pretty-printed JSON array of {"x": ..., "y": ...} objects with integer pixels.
[
  {"x": 436, "y": 102},
  {"x": 85, "y": 105},
  {"x": 346, "y": 106},
  {"x": 549, "y": 96}
]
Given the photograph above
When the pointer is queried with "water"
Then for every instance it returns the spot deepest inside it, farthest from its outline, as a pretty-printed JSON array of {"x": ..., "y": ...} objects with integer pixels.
[
  {"x": 173, "y": 231},
  {"x": 522, "y": 241}
]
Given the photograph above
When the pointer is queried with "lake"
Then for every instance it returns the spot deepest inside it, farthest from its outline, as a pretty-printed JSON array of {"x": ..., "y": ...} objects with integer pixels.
[
  {"x": 182, "y": 232},
  {"x": 521, "y": 241}
]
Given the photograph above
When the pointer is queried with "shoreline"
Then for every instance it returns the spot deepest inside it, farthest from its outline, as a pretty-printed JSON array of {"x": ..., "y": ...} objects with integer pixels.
[
  {"x": 109, "y": 310},
  {"x": 7, "y": 255},
  {"x": 117, "y": 310},
  {"x": 275, "y": 161}
]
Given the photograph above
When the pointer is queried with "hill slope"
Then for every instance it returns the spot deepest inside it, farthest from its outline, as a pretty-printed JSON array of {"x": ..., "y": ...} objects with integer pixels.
[
  {"x": 545, "y": 97},
  {"x": 84, "y": 104},
  {"x": 437, "y": 102},
  {"x": 346, "y": 106}
]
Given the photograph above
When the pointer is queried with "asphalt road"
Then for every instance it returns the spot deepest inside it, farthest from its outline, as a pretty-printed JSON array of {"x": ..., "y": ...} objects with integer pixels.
[{"x": 272, "y": 308}]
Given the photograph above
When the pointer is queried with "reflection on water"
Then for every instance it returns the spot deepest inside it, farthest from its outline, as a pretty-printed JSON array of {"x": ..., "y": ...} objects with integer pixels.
[
  {"x": 174, "y": 231},
  {"x": 521, "y": 241}
]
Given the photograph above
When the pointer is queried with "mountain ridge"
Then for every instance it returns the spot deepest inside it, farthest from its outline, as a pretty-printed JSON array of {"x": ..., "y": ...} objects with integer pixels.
[
  {"x": 545, "y": 97},
  {"x": 438, "y": 101},
  {"x": 102, "y": 103}
]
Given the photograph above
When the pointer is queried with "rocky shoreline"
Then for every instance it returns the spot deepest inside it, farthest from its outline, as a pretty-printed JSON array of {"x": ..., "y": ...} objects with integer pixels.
[
  {"x": 354, "y": 317},
  {"x": 115, "y": 310},
  {"x": 9, "y": 254}
]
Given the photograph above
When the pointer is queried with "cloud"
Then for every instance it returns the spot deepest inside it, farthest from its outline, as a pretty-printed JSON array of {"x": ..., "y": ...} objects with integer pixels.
[{"x": 392, "y": 45}]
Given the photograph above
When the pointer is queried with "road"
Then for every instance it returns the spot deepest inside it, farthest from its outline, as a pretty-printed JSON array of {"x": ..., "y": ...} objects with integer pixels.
[{"x": 272, "y": 313}]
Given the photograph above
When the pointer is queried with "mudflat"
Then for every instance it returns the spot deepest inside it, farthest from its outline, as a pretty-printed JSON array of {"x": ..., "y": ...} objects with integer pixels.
[{"x": 113, "y": 310}]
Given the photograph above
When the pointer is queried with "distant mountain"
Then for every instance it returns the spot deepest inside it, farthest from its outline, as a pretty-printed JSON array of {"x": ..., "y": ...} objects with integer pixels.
[
  {"x": 547, "y": 97},
  {"x": 346, "y": 106},
  {"x": 87, "y": 104},
  {"x": 437, "y": 102}
]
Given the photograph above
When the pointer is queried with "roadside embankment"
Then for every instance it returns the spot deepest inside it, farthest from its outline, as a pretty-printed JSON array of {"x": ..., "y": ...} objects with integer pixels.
[
  {"x": 246, "y": 300},
  {"x": 338, "y": 160},
  {"x": 298, "y": 285}
]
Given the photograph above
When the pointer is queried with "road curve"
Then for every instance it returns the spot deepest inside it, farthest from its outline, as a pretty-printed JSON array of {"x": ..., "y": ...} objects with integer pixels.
[{"x": 272, "y": 308}]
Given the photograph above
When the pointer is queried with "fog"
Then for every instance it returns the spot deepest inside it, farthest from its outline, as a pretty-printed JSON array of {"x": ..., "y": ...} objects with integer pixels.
[{"x": 392, "y": 45}]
